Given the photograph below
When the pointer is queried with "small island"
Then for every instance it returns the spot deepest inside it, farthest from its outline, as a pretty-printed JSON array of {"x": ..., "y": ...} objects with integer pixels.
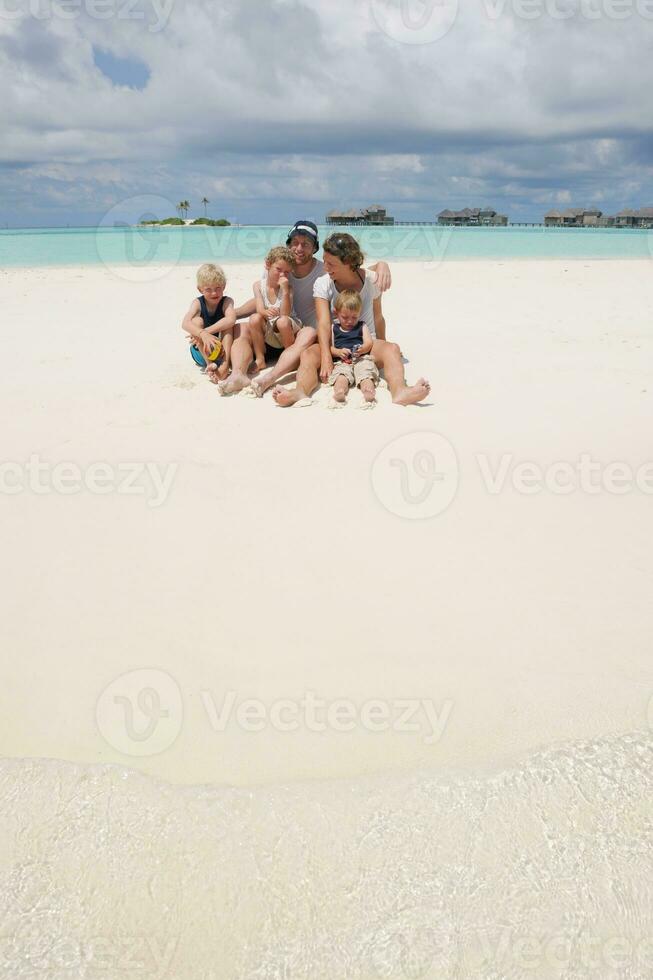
[{"x": 180, "y": 222}]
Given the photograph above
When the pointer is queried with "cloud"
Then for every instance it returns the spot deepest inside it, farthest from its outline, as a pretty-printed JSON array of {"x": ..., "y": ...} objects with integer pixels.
[{"x": 274, "y": 104}]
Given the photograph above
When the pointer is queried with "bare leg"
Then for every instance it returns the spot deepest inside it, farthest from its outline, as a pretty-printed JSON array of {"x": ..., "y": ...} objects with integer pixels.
[
  {"x": 241, "y": 358},
  {"x": 287, "y": 362},
  {"x": 340, "y": 389},
  {"x": 307, "y": 379},
  {"x": 227, "y": 337},
  {"x": 256, "y": 329},
  {"x": 387, "y": 357},
  {"x": 368, "y": 390},
  {"x": 285, "y": 331}
]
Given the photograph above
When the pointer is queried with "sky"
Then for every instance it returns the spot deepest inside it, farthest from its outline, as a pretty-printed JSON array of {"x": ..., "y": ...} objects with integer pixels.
[{"x": 288, "y": 108}]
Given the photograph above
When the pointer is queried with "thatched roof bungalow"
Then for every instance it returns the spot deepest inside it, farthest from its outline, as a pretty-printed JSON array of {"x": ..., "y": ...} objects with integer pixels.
[
  {"x": 628, "y": 218},
  {"x": 472, "y": 216},
  {"x": 573, "y": 218},
  {"x": 374, "y": 215}
]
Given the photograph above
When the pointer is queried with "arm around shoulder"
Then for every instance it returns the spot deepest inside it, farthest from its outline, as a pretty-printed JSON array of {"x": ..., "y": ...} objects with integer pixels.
[{"x": 383, "y": 275}]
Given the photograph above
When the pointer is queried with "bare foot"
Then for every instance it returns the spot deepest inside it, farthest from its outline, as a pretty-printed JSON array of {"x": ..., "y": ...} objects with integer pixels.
[
  {"x": 260, "y": 366},
  {"x": 417, "y": 393},
  {"x": 368, "y": 391},
  {"x": 223, "y": 371},
  {"x": 234, "y": 384},
  {"x": 285, "y": 397},
  {"x": 261, "y": 385}
]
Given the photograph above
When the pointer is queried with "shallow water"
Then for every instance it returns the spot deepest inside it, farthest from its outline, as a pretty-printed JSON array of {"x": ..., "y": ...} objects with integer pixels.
[
  {"x": 143, "y": 248},
  {"x": 544, "y": 870}
]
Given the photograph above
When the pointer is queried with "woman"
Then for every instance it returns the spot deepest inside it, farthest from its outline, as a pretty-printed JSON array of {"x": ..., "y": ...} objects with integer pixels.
[{"x": 343, "y": 261}]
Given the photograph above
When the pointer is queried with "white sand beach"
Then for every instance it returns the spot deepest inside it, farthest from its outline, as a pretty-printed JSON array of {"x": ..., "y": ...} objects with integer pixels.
[
  {"x": 272, "y": 567},
  {"x": 379, "y": 633}
]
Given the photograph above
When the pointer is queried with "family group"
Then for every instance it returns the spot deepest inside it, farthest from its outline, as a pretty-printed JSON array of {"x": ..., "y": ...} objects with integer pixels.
[{"x": 320, "y": 318}]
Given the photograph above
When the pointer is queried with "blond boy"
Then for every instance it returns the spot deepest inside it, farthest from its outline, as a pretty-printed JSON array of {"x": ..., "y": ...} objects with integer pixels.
[
  {"x": 351, "y": 343},
  {"x": 210, "y": 321}
]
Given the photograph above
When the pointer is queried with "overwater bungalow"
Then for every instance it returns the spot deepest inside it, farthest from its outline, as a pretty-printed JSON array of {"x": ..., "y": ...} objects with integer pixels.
[
  {"x": 576, "y": 218},
  {"x": 375, "y": 214},
  {"x": 472, "y": 216}
]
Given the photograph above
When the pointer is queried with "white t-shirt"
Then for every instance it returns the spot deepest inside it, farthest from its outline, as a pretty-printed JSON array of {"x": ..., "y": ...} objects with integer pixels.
[
  {"x": 303, "y": 302},
  {"x": 325, "y": 288}
]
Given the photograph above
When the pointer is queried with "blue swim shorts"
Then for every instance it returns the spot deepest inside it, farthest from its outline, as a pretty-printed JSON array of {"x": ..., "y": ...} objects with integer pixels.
[{"x": 197, "y": 357}]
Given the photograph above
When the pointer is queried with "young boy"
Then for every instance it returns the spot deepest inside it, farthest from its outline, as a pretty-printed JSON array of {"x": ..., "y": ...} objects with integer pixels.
[
  {"x": 210, "y": 316},
  {"x": 351, "y": 343},
  {"x": 275, "y": 324}
]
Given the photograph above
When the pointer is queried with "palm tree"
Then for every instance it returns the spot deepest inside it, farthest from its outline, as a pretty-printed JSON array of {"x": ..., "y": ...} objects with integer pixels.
[
  {"x": 205, "y": 201},
  {"x": 180, "y": 208}
]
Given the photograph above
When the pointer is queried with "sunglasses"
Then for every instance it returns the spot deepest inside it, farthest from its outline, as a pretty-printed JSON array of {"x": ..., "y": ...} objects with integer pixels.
[{"x": 337, "y": 241}]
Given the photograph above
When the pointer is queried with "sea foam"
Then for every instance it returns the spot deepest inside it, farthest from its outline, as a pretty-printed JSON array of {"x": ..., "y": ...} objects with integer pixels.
[{"x": 544, "y": 870}]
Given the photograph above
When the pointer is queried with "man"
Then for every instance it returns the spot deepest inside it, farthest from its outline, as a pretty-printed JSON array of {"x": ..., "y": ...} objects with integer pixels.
[{"x": 303, "y": 242}]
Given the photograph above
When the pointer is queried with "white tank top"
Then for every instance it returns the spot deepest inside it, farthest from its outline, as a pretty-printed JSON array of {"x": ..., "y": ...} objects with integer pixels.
[{"x": 267, "y": 302}]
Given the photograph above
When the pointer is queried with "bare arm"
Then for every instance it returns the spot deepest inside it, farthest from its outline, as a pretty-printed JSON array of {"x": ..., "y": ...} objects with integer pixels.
[
  {"x": 246, "y": 309},
  {"x": 323, "y": 310},
  {"x": 192, "y": 322},
  {"x": 285, "y": 306},
  {"x": 383, "y": 275},
  {"x": 334, "y": 350},
  {"x": 258, "y": 297},
  {"x": 194, "y": 325},
  {"x": 379, "y": 319},
  {"x": 366, "y": 346},
  {"x": 267, "y": 312}
]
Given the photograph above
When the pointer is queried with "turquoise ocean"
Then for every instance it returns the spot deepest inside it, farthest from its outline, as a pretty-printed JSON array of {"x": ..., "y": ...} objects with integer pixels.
[{"x": 124, "y": 245}]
